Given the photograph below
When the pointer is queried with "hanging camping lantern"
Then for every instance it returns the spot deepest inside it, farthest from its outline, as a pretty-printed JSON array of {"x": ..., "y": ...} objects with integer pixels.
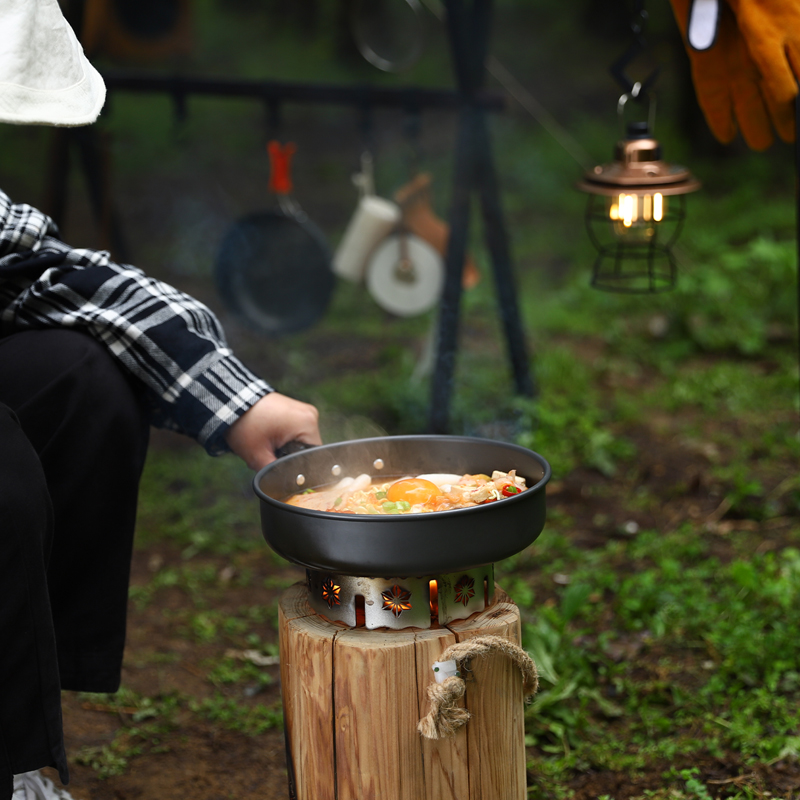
[
  {"x": 636, "y": 208},
  {"x": 637, "y": 203}
]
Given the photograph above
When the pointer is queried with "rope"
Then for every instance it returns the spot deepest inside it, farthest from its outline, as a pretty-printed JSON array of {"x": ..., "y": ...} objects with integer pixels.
[{"x": 445, "y": 717}]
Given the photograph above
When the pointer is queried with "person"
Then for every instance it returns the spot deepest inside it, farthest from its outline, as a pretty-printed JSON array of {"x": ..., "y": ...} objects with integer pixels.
[{"x": 92, "y": 353}]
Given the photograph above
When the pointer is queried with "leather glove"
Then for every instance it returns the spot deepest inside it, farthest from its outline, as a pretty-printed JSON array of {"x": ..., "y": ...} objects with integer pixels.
[
  {"x": 726, "y": 79},
  {"x": 771, "y": 29}
]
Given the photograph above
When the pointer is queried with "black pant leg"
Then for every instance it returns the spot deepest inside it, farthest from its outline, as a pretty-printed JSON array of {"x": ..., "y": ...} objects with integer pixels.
[
  {"x": 88, "y": 425},
  {"x": 30, "y": 694}
]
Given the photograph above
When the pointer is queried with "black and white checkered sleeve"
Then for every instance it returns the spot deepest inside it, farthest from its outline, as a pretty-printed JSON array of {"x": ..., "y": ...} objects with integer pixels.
[{"x": 168, "y": 340}]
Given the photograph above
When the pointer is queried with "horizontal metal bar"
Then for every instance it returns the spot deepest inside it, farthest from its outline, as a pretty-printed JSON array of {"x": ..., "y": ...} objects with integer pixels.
[{"x": 281, "y": 91}]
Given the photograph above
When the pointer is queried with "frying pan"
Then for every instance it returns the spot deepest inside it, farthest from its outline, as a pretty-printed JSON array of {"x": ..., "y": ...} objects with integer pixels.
[
  {"x": 407, "y": 544},
  {"x": 273, "y": 269},
  {"x": 388, "y": 33}
]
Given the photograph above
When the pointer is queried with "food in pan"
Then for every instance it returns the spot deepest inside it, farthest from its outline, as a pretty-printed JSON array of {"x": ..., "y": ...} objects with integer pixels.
[{"x": 411, "y": 494}]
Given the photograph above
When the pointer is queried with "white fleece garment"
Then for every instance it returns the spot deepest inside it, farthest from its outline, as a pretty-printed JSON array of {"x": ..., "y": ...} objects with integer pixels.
[{"x": 45, "y": 77}]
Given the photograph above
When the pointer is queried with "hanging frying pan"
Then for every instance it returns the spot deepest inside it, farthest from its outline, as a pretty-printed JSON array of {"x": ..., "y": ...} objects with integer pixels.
[
  {"x": 273, "y": 269},
  {"x": 388, "y": 33}
]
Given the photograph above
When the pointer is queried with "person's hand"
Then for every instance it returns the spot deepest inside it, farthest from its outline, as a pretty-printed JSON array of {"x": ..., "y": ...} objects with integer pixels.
[
  {"x": 771, "y": 29},
  {"x": 268, "y": 425},
  {"x": 727, "y": 81}
]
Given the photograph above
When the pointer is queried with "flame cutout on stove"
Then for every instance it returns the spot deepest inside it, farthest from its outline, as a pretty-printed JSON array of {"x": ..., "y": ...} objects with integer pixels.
[
  {"x": 330, "y": 593},
  {"x": 396, "y": 600},
  {"x": 465, "y": 589}
]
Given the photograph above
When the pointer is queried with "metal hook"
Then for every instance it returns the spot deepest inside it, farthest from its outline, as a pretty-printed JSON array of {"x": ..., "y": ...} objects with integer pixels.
[
  {"x": 638, "y": 25},
  {"x": 365, "y": 180},
  {"x": 634, "y": 93},
  {"x": 636, "y": 48}
]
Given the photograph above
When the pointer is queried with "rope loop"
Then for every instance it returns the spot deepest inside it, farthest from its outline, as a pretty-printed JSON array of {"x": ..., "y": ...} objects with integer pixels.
[{"x": 445, "y": 717}]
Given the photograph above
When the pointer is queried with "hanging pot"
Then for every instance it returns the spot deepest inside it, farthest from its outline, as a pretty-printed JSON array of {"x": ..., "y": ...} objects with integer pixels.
[{"x": 273, "y": 269}]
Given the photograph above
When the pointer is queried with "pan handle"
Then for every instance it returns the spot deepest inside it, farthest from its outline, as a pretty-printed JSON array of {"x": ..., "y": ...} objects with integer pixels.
[
  {"x": 295, "y": 446},
  {"x": 280, "y": 160}
]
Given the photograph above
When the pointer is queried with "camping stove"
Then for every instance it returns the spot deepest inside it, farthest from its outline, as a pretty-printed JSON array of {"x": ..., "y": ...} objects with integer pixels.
[
  {"x": 386, "y": 597},
  {"x": 396, "y": 571},
  {"x": 400, "y": 602}
]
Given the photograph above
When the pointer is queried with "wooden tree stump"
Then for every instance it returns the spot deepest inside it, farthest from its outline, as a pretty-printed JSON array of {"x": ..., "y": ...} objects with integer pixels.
[{"x": 352, "y": 699}]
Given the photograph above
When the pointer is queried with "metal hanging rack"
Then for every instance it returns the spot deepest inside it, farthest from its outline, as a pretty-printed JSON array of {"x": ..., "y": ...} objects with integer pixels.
[{"x": 468, "y": 24}]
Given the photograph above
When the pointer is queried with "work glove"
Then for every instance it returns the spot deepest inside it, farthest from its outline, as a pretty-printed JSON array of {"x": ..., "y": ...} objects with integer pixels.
[
  {"x": 771, "y": 29},
  {"x": 726, "y": 79},
  {"x": 742, "y": 54}
]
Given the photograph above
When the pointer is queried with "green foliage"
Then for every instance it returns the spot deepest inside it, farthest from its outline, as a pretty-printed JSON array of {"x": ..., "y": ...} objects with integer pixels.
[
  {"x": 197, "y": 581},
  {"x": 229, "y": 671},
  {"x": 105, "y": 760},
  {"x": 694, "y": 787},
  {"x": 731, "y": 297},
  {"x": 148, "y": 723},
  {"x": 569, "y": 421},
  {"x": 741, "y": 387},
  {"x": 200, "y": 504},
  {"x": 727, "y": 635},
  {"x": 252, "y": 720}
]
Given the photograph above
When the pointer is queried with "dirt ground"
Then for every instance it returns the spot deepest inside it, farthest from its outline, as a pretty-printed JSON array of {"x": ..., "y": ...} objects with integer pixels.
[
  {"x": 198, "y": 760},
  {"x": 205, "y": 761}
]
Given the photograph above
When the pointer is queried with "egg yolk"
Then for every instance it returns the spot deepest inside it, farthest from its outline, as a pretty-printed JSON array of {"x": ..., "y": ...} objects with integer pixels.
[{"x": 413, "y": 490}]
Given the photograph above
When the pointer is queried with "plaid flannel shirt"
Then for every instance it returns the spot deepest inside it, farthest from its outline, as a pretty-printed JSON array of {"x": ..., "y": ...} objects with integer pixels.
[{"x": 172, "y": 344}]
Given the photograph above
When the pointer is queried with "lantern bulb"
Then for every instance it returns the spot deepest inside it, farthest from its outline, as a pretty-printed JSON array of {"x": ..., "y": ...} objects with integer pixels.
[
  {"x": 627, "y": 209},
  {"x": 658, "y": 207},
  {"x": 647, "y": 203}
]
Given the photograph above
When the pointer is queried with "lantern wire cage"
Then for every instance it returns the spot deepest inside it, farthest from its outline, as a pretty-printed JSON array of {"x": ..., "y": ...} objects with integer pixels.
[{"x": 636, "y": 266}]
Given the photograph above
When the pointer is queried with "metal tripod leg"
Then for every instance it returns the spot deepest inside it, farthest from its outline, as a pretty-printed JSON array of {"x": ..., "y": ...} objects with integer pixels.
[{"x": 474, "y": 172}]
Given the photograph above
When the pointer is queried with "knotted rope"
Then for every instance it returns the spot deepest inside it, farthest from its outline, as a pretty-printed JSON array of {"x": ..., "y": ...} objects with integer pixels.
[{"x": 445, "y": 717}]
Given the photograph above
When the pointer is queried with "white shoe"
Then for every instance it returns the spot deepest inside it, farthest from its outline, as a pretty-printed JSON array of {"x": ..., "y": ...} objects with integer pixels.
[{"x": 34, "y": 786}]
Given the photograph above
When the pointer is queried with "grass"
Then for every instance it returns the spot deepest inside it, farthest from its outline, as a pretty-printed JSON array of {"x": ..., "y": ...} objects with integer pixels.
[
  {"x": 151, "y": 723},
  {"x": 682, "y": 657},
  {"x": 661, "y": 644}
]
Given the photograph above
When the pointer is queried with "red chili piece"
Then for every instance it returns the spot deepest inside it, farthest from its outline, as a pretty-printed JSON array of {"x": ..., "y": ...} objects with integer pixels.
[{"x": 509, "y": 489}]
